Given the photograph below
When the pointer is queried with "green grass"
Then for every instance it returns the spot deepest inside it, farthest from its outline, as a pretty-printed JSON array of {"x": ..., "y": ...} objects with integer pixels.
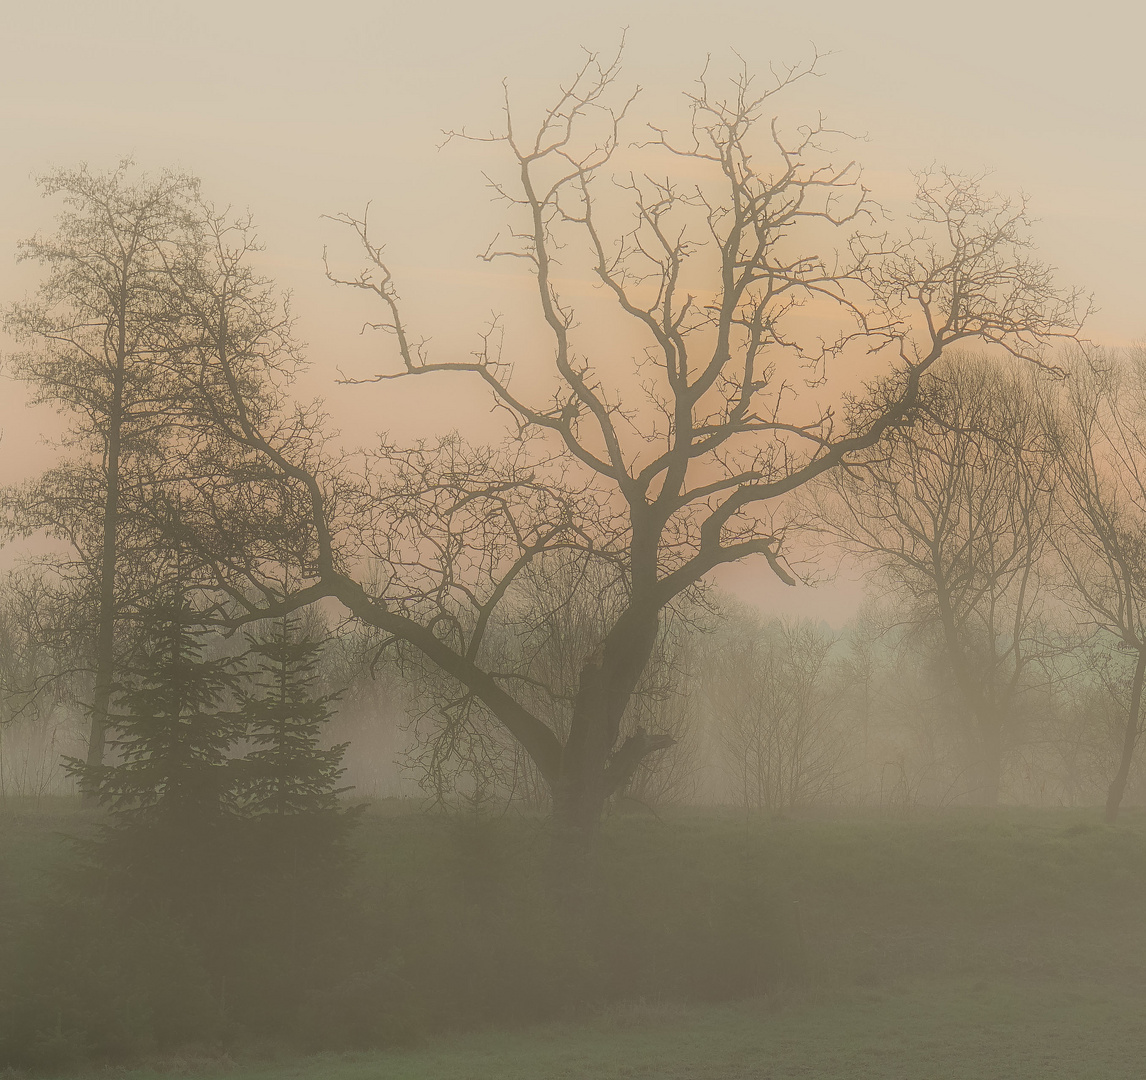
[
  {"x": 944, "y": 1030},
  {"x": 966, "y": 944}
]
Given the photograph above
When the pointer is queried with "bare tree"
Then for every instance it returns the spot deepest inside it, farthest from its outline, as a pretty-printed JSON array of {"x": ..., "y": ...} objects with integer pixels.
[
  {"x": 560, "y": 612},
  {"x": 664, "y": 469},
  {"x": 1100, "y": 439},
  {"x": 1088, "y": 713},
  {"x": 99, "y": 350},
  {"x": 778, "y": 709},
  {"x": 956, "y": 513},
  {"x": 44, "y": 675}
]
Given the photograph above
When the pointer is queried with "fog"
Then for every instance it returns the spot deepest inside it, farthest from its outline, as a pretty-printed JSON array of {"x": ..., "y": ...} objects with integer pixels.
[{"x": 572, "y": 541}]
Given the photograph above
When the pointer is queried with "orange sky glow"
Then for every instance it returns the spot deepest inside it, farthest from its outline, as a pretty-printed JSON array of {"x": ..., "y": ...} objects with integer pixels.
[{"x": 296, "y": 110}]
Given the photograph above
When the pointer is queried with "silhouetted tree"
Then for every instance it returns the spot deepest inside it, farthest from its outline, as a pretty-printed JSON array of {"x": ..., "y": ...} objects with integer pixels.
[
  {"x": 283, "y": 717},
  {"x": 955, "y": 511},
  {"x": 665, "y": 472},
  {"x": 1099, "y": 437},
  {"x": 289, "y": 780},
  {"x": 171, "y": 790},
  {"x": 98, "y": 339}
]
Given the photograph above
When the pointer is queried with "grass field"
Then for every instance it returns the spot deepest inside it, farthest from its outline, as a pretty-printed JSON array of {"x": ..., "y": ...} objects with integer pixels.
[
  {"x": 1032, "y": 1030},
  {"x": 961, "y": 945}
]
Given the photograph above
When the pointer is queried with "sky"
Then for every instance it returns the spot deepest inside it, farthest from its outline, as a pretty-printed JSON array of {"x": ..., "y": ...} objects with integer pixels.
[{"x": 296, "y": 110}]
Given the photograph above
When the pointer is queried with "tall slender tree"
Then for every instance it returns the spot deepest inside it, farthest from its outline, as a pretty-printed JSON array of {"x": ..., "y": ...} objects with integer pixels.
[
  {"x": 955, "y": 513},
  {"x": 98, "y": 347},
  {"x": 1095, "y": 422}
]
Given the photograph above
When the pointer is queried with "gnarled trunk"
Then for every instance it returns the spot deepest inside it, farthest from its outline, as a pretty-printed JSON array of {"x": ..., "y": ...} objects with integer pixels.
[{"x": 593, "y": 767}]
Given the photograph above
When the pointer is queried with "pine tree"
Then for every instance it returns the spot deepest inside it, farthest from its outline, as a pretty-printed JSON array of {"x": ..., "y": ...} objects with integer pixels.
[
  {"x": 290, "y": 782},
  {"x": 296, "y": 860},
  {"x": 288, "y": 774},
  {"x": 170, "y": 787},
  {"x": 171, "y": 859}
]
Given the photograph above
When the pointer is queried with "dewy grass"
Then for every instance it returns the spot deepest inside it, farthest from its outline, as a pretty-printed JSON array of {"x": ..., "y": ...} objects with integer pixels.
[
  {"x": 964, "y": 944},
  {"x": 947, "y": 1030}
]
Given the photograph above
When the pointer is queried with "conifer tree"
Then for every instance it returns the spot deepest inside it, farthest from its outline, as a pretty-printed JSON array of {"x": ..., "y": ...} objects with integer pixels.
[
  {"x": 290, "y": 782},
  {"x": 287, "y": 772},
  {"x": 170, "y": 788},
  {"x": 296, "y": 861}
]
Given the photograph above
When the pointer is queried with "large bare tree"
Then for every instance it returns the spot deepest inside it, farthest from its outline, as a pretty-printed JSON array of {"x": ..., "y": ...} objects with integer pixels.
[{"x": 676, "y": 408}]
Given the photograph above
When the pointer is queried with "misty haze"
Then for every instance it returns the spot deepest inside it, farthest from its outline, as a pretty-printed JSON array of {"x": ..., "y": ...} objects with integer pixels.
[{"x": 534, "y": 549}]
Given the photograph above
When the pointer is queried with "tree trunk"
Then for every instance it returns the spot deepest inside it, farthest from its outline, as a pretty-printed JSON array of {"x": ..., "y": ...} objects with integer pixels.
[
  {"x": 1129, "y": 741},
  {"x": 105, "y": 636},
  {"x": 592, "y": 766},
  {"x": 588, "y": 780},
  {"x": 578, "y": 803},
  {"x": 579, "y": 794}
]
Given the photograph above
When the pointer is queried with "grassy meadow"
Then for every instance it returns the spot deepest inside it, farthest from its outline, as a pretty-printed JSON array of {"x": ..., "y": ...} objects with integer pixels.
[{"x": 964, "y": 944}]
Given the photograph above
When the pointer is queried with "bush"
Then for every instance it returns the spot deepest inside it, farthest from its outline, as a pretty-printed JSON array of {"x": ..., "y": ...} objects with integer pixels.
[
  {"x": 87, "y": 983},
  {"x": 444, "y": 923}
]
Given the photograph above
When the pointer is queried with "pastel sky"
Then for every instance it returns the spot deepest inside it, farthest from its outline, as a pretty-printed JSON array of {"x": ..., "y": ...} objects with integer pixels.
[{"x": 300, "y": 109}]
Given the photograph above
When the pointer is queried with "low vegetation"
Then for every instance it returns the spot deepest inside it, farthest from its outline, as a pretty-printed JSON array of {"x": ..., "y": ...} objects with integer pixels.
[{"x": 867, "y": 945}]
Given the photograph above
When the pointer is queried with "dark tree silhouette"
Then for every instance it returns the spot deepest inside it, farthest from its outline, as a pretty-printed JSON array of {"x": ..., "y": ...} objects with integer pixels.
[
  {"x": 289, "y": 781},
  {"x": 99, "y": 348},
  {"x": 659, "y": 470},
  {"x": 283, "y": 716},
  {"x": 171, "y": 789}
]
